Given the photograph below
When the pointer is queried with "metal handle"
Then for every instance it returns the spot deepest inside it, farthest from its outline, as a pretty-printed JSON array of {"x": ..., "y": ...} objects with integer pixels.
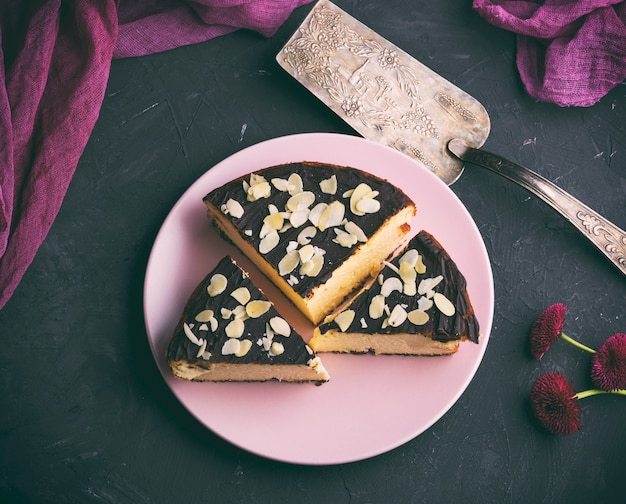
[{"x": 605, "y": 235}]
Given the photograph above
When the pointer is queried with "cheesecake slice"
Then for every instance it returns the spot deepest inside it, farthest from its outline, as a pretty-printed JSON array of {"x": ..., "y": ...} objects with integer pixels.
[
  {"x": 417, "y": 305},
  {"x": 317, "y": 231},
  {"x": 229, "y": 331}
]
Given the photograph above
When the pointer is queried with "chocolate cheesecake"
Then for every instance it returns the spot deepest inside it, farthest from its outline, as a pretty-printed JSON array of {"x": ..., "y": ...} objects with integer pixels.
[
  {"x": 417, "y": 305},
  {"x": 317, "y": 231},
  {"x": 229, "y": 331}
]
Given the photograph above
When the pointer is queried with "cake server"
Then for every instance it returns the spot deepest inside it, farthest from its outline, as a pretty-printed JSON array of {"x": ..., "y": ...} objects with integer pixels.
[{"x": 388, "y": 96}]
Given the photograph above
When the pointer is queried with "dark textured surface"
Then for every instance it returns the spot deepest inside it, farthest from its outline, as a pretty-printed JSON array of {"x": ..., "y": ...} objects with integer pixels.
[{"x": 86, "y": 417}]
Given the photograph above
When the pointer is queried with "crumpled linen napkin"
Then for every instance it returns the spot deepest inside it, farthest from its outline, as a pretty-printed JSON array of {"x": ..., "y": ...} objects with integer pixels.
[
  {"x": 54, "y": 66},
  {"x": 569, "y": 52}
]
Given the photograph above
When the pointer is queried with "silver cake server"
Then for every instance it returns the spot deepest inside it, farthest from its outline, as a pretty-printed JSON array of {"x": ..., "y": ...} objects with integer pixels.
[{"x": 388, "y": 96}]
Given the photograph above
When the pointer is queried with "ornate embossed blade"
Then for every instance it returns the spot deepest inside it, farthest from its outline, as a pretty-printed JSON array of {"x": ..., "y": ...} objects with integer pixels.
[{"x": 382, "y": 92}]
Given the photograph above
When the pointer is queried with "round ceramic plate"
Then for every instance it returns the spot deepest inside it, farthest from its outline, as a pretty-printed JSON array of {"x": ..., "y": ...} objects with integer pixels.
[{"x": 372, "y": 404}]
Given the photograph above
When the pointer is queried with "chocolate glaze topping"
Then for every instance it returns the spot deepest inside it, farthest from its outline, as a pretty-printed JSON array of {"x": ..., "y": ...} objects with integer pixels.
[
  {"x": 462, "y": 325},
  {"x": 296, "y": 351},
  {"x": 391, "y": 201}
]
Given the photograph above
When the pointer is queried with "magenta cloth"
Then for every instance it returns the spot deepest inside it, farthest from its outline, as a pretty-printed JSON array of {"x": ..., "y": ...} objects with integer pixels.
[
  {"x": 54, "y": 67},
  {"x": 569, "y": 52}
]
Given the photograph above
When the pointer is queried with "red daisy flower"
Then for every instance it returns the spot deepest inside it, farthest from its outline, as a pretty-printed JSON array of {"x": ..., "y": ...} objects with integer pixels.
[
  {"x": 554, "y": 402},
  {"x": 546, "y": 329},
  {"x": 608, "y": 364}
]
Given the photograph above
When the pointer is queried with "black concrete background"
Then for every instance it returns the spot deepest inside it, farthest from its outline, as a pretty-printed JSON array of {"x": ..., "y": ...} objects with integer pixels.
[{"x": 86, "y": 416}]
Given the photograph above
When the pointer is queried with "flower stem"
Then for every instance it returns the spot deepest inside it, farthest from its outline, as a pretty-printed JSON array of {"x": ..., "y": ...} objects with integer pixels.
[
  {"x": 571, "y": 341},
  {"x": 592, "y": 392}
]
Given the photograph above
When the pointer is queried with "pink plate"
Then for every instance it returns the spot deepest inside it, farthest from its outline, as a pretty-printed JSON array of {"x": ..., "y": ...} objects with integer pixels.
[{"x": 372, "y": 403}]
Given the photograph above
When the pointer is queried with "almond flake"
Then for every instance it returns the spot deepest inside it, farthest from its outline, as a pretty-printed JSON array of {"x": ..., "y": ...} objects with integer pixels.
[
  {"x": 316, "y": 212},
  {"x": 217, "y": 285},
  {"x": 189, "y": 333},
  {"x": 344, "y": 319},
  {"x": 259, "y": 190},
  {"x": 280, "y": 184},
  {"x": 280, "y": 326},
  {"x": 242, "y": 294},
  {"x": 297, "y": 219},
  {"x": 274, "y": 221},
  {"x": 418, "y": 317},
  {"x": 397, "y": 316},
  {"x": 201, "y": 349},
  {"x": 295, "y": 184},
  {"x": 300, "y": 201},
  {"x": 332, "y": 215},
  {"x": 204, "y": 316},
  {"x": 357, "y": 195},
  {"x": 355, "y": 230},
  {"x": 234, "y": 208},
  {"x": 329, "y": 185},
  {"x": 377, "y": 307},
  {"x": 289, "y": 263},
  {"x": 390, "y": 285},
  {"x": 244, "y": 348},
  {"x": 344, "y": 239},
  {"x": 444, "y": 304},
  {"x": 428, "y": 284},
  {"x": 277, "y": 348},
  {"x": 306, "y": 253},
  {"x": 257, "y": 308},
  {"x": 410, "y": 257},
  {"x": 231, "y": 347},
  {"x": 269, "y": 242},
  {"x": 313, "y": 267},
  {"x": 235, "y": 328},
  {"x": 305, "y": 236},
  {"x": 367, "y": 206}
]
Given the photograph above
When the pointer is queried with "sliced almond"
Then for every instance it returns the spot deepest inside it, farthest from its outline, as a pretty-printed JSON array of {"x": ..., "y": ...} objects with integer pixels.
[
  {"x": 444, "y": 304},
  {"x": 368, "y": 206},
  {"x": 312, "y": 267},
  {"x": 352, "y": 228},
  {"x": 300, "y": 201},
  {"x": 202, "y": 349},
  {"x": 274, "y": 220},
  {"x": 359, "y": 192},
  {"x": 420, "y": 267},
  {"x": 289, "y": 263},
  {"x": 297, "y": 219},
  {"x": 424, "y": 303},
  {"x": 217, "y": 285},
  {"x": 257, "y": 308},
  {"x": 235, "y": 328},
  {"x": 241, "y": 294},
  {"x": 344, "y": 238},
  {"x": 397, "y": 316},
  {"x": 389, "y": 285},
  {"x": 244, "y": 347},
  {"x": 329, "y": 185},
  {"x": 234, "y": 208},
  {"x": 410, "y": 257},
  {"x": 332, "y": 216},
  {"x": 259, "y": 190},
  {"x": 190, "y": 335},
  {"x": 306, "y": 235},
  {"x": 276, "y": 348},
  {"x": 280, "y": 184},
  {"x": 231, "y": 347},
  {"x": 306, "y": 253},
  {"x": 280, "y": 326},
  {"x": 295, "y": 184},
  {"x": 316, "y": 212},
  {"x": 204, "y": 316},
  {"x": 377, "y": 307},
  {"x": 428, "y": 284},
  {"x": 269, "y": 242},
  {"x": 344, "y": 319},
  {"x": 418, "y": 317}
]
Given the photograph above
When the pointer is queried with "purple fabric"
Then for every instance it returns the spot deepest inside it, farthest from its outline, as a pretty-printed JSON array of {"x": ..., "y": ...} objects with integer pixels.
[
  {"x": 569, "y": 52},
  {"x": 54, "y": 65}
]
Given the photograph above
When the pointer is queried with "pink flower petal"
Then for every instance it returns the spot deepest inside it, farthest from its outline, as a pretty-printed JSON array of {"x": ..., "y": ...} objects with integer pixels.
[
  {"x": 608, "y": 364},
  {"x": 552, "y": 399},
  {"x": 546, "y": 329}
]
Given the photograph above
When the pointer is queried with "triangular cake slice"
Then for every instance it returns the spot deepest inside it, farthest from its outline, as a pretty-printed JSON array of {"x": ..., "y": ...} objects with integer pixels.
[
  {"x": 417, "y": 305},
  {"x": 229, "y": 331},
  {"x": 316, "y": 230}
]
